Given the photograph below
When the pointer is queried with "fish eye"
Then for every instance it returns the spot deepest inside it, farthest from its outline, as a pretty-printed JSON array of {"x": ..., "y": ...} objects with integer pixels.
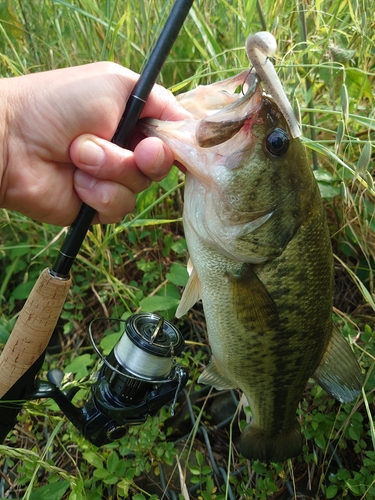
[{"x": 277, "y": 143}]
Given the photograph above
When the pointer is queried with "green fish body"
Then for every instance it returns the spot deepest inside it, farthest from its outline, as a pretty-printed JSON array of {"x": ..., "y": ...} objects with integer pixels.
[{"x": 262, "y": 261}]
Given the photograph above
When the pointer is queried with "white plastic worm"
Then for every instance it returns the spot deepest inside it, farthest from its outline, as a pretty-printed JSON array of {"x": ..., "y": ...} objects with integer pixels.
[{"x": 259, "y": 48}]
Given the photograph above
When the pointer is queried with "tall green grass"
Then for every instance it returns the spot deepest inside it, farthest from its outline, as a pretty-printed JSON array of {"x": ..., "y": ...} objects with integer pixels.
[{"x": 326, "y": 61}]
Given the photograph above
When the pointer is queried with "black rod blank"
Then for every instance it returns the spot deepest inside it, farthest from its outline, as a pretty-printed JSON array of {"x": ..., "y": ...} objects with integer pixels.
[{"x": 133, "y": 109}]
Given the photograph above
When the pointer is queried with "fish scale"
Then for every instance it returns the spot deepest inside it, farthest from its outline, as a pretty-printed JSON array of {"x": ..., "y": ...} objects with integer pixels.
[{"x": 262, "y": 263}]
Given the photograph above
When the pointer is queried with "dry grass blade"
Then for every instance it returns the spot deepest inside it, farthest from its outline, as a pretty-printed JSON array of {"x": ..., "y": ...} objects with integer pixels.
[{"x": 184, "y": 490}]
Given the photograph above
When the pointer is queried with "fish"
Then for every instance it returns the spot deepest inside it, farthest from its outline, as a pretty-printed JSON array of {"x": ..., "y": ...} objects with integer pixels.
[{"x": 260, "y": 259}]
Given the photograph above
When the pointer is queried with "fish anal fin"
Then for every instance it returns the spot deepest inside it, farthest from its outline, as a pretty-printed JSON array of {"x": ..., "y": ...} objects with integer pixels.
[
  {"x": 192, "y": 292},
  {"x": 214, "y": 377},
  {"x": 258, "y": 444},
  {"x": 338, "y": 372}
]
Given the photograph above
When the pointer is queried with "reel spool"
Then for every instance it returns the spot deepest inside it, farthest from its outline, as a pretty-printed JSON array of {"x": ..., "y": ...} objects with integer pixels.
[{"x": 143, "y": 355}]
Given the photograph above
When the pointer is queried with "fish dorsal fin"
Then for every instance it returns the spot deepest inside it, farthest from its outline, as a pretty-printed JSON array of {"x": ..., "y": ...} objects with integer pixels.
[
  {"x": 192, "y": 292},
  {"x": 213, "y": 376},
  {"x": 339, "y": 372}
]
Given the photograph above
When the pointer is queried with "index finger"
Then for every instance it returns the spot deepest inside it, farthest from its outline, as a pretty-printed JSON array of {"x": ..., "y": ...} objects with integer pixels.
[{"x": 162, "y": 105}]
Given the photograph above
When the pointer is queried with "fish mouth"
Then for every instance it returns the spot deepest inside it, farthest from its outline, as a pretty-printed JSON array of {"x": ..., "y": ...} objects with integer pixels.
[
  {"x": 225, "y": 123},
  {"x": 218, "y": 112}
]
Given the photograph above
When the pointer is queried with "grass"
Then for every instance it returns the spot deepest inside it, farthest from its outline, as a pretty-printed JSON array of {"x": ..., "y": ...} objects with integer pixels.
[{"x": 326, "y": 61}]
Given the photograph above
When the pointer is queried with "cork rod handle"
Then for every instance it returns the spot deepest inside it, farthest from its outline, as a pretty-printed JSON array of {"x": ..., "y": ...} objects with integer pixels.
[{"x": 33, "y": 329}]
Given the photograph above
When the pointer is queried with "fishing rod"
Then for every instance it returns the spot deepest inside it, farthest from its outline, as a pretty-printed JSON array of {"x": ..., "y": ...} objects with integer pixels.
[{"x": 135, "y": 380}]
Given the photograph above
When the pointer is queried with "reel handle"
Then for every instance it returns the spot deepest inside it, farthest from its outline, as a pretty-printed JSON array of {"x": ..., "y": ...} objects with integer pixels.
[{"x": 33, "y": 329}]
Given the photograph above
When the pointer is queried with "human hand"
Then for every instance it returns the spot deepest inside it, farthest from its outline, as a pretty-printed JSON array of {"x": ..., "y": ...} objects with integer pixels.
[{"x": 55, "y": 132}]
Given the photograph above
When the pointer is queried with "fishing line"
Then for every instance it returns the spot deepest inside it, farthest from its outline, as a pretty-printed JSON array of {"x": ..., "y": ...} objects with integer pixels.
[{"x": 153, "y": 367}]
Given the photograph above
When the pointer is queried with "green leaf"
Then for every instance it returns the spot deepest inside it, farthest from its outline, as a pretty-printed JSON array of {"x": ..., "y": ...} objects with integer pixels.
[
  {"x": 344, "y": 102},
  {"x": 259, "y": 468},
  {"x": 77, "y": 495},
  {"x": 195, "y": 480},
  {"x": 171, "y": 180},
  {"x": 23, "y": 290},
  {"x": 179, "y": 246},
  {"x": 152, "y": 222},
  {"x": 206, "y": 495},
  {"x": 4, "y": 334},
  {"x": 358, "y": 84},
  {"x": 327, "y": 190},
  {"x": 112, "y": 462},
  {"x": 323, "y": 175},
  {"x": 111, "y": 479},
  {"x": 9, "y": 21},
  {"x": 339, "y": 134},
  {"x": 53, "y": 491},
  {"x": 178, "y": 275},
  {"x": 331, "y": 491},
  {"x": 120, "y": 468},
  {"x": 195, "y": 470},
  {"x": 158, "y": 303},
  {"x": 130, "y": 473},
  {"x": 354, "y": 433},
  {"x": 93, "y": 459},
  {"x": 79, "y": 365},
  {"x": 124, "y": 486},
  {"x": 20, "y": 251},
  {"x": 147, "y": 197},
  {"x": 353, "y": 486},
  {"x": 314, "y": 425},
  {"x": 364, "y": 158},
  {"x": 320, "y": 441},
  {"x": 109, "y": 341},
  {"x": 101, "y": 473},
  {"x": 206, "y": 470},
  {"x": 199, "y": 457}
]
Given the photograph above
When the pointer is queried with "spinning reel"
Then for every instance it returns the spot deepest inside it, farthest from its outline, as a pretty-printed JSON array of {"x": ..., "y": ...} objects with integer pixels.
[{"x": 137, "y": 378}]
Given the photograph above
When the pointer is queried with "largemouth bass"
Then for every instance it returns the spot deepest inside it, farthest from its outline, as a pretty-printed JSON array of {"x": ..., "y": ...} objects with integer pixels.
[{"x": 261, "y": 259}]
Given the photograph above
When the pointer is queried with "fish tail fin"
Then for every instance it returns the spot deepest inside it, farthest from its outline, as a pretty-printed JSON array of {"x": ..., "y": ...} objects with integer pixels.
[{"x": 256, "y": 443}]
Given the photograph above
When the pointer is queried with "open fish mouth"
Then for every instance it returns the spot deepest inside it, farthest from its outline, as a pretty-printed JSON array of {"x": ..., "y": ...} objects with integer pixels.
[
  {"x": 218, "y": 112},
  {"x": 224, "y": 123}
]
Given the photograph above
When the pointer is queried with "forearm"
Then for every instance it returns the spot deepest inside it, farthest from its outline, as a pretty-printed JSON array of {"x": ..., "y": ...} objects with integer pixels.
[{"x": 5, "y": 116}]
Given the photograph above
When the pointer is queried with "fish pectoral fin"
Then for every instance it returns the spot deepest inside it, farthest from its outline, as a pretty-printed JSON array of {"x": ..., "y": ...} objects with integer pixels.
[
  {"x": 338, "y": 372},
  {"x": 213, "y": 376},
  {"x": 192, "y": 292},
  {"x": 253, "y": 304},
  {"x": 252, "y": 225}
]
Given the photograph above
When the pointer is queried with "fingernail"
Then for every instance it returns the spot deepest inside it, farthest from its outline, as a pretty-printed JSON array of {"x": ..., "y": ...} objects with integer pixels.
[
  {"x": 83, "y": 180},
  {"x": 91, "y": 154}
]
